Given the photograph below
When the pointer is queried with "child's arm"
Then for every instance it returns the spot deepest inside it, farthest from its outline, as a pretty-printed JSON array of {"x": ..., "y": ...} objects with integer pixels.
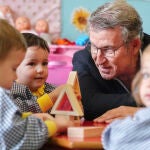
[
  {"x": 27, "y": 102},
  {"x": 16, "y": 132},
  {"x": 54, "y": 125},
  {"x": 47, "y": 100}
]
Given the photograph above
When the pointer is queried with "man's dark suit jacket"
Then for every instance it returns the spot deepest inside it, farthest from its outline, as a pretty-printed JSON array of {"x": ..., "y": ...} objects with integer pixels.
[{"x": 98, "y": 94}]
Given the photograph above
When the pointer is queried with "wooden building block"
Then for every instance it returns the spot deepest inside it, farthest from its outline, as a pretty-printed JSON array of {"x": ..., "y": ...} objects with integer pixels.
[
  {"x": 85, "y": 132},
  {"x": 67, "y": 103},
  {"x": 73, "y": 80}
]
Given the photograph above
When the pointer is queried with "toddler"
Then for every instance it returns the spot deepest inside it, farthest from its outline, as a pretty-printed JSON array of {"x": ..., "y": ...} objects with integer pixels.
[
  {"x": 30, "y": 91},
  {"x": 133, "y": 132},
  {"x": 17, "y": 130}
]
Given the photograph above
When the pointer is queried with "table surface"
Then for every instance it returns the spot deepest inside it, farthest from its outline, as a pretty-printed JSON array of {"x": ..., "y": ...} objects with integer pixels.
[
  {"x": 72, "y": 143},
  {"x": 63, "y": 142}
]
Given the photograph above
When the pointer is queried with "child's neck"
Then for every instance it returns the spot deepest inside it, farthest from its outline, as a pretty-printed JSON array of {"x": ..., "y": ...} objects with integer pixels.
[{"x": 39, "y": 92}]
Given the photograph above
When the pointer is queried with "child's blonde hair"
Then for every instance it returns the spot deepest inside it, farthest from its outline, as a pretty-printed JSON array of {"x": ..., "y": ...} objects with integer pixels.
[
  {"x": 137, "y": 80},
  {"x": 146, "y": 52},
  {"x": 135, "y": 88},
  {"x": 10, "y": 39}
]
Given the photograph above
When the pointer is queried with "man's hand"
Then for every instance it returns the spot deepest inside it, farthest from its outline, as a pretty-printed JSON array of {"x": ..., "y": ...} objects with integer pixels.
[{"x": 116, "y": 113}]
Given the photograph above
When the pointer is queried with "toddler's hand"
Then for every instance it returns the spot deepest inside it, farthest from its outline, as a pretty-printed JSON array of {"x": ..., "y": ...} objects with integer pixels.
[
  {"x": 55, "y": 93},
  {"x": 63, "y": 123},
  {"x": 43, "y": 116}
]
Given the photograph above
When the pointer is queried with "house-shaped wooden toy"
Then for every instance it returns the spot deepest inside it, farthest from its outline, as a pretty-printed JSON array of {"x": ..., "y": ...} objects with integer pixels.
[
  {"x": 73, "y": 80},
  {"x": 67, "y": 103}
]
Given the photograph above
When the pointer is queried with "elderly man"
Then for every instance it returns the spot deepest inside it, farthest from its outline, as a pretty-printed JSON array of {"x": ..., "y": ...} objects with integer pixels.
[{"x": 108, "y": 64}]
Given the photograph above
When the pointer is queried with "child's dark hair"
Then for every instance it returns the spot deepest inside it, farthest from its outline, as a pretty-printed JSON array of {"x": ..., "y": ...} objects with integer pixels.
[{"x": 35, "y": 40}]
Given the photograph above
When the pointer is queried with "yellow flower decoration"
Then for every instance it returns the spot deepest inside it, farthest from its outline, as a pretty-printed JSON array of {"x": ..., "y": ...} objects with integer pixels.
[{"x": 79, "y": 19}]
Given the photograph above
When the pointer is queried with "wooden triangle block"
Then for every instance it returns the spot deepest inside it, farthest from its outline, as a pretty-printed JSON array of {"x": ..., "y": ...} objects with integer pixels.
[
  {"x": 73, "y": 80},
  {"x": 67, "y": 103}
]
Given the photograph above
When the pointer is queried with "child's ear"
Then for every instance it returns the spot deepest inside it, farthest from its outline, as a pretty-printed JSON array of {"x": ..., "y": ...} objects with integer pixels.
[{"x": 136, "y": 45}]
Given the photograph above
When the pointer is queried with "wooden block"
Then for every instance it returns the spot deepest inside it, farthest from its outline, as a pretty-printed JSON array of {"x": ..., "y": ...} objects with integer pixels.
[
  {"x": 76, "y": 120},
  {"x": 84, "y": 132},
  {"x": 68, "y": 117},
  {"x": 67, "y": 103},
  {"x": 73, "y": 80}
]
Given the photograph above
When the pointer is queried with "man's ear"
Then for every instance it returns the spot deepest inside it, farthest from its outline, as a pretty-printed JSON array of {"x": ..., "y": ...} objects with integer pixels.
[{"x": 136, "y": 45}]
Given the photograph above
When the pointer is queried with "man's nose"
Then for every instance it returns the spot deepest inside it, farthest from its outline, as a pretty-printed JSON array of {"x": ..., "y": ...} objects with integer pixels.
[{"x": 100, "y": 58}]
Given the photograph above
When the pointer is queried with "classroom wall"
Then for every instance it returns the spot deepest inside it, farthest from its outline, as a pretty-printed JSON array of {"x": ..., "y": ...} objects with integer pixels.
[{"x": 70, "y": 32}]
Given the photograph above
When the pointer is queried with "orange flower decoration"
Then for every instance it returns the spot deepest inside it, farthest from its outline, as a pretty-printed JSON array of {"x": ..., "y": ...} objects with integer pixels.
[{"x": 79, "y": 19}]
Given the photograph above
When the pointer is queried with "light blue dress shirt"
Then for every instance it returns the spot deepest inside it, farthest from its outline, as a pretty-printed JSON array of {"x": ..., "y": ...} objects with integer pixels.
[{"x": 131, "y": 133}]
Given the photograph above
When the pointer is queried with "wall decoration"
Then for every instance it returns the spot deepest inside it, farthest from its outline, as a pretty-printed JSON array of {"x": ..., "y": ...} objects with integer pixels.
[{"x": 79, "y": 19}]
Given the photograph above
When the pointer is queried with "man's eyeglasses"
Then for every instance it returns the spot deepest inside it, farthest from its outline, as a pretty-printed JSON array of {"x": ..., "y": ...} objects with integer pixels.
[{"x": 107, "y": 51}]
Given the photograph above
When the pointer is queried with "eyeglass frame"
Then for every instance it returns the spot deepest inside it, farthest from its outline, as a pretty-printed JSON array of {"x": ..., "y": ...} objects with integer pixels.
[{"x": 104, "y": 49}]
